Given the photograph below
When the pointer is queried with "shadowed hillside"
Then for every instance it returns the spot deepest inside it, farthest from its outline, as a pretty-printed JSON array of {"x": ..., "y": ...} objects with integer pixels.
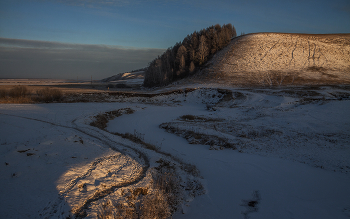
[{"x": 280, "y": 59}]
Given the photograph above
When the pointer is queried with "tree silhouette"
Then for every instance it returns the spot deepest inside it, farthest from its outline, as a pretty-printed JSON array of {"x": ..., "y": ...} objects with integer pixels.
[
  {"x": 186, "y": 57},
  {"x": 202, "y": 50}
]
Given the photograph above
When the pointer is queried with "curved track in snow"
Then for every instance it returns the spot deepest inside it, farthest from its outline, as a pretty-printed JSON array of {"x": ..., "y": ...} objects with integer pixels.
[{"x": 119, "y": 166}]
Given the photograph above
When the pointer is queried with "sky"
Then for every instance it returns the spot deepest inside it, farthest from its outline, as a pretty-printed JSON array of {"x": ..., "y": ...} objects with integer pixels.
[{"x": 66, "y": 39}]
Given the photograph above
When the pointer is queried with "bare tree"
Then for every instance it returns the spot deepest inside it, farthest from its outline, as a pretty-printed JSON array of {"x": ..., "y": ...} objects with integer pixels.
[
  {"x": 184, "y": 57},
  {"x": 202, "y": 50},
  {"x": 192, "y": 68}
]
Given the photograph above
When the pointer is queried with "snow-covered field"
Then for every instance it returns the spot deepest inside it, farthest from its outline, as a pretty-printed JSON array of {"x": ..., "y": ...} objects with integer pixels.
[{"x": 289, "y": 154}]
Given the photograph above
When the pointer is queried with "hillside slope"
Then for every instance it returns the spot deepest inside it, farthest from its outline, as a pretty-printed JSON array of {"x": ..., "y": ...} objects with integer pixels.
[
  {"x": 125, "y": 76},
  {"x": 281, "y": 59}
]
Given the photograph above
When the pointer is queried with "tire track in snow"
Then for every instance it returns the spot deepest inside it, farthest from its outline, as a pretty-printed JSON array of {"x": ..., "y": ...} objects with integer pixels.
[{"x": 57, "y": 208}]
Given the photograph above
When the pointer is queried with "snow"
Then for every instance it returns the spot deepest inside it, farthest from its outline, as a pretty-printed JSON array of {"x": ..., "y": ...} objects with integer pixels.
[
  {"x": 301, "y": 169},
  {"x": 293, "y": 52},
  {"x": 128, "y": 78},
  {"x": 283, "y": 58}
]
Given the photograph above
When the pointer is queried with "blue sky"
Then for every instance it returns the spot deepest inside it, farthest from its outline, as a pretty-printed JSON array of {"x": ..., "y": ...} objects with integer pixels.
[{"x": 156, "y": 24}]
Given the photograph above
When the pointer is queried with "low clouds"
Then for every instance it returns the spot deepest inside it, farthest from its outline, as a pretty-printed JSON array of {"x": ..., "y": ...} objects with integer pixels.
[
  {"x": 40, "y": 59},
  {"x": 121, "y": 3},
  {"x": 99, "y": 3},
  {"x": 93, "y": 2}
]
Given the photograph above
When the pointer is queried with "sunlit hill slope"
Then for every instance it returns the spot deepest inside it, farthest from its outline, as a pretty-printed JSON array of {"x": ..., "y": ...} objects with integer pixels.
[{"x": 281, "y": 59}]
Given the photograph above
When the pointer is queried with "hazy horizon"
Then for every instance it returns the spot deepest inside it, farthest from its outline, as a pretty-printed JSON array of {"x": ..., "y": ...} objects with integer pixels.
[{"x": 42, "y": 59}]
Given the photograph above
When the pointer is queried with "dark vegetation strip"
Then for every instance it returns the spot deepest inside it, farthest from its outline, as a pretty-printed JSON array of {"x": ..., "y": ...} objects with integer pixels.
[
  {"x": 194, "y": 137},
  {"x": 21, "y": 94}
]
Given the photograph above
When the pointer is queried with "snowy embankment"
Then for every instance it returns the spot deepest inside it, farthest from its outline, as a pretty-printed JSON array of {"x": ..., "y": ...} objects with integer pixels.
[{"x": 291, "y": 158}]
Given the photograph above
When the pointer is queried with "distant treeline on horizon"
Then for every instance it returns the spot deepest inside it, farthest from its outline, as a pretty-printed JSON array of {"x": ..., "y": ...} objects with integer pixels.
[{"x": 185, "y": 57}]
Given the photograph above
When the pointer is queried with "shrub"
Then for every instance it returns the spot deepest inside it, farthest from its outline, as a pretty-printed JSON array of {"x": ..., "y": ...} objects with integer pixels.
[
  {"x": 155, "y": 206},
  {"x": 199, "y": 118},
  {"x": 138, "y": 206},
  {"x": 49, "y": 95},
  {"x": 18, "y": 91},
  {"x": 3, "y": 93}
]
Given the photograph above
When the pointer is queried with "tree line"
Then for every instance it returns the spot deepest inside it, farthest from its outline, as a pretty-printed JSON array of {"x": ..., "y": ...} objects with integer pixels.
[{"x": 185, "y": 57}]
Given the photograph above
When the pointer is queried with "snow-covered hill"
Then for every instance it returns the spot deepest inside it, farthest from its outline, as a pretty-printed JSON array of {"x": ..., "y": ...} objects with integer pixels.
[
  {"x": 128, "y": 79},
  {"x": 282, "y": 59}
]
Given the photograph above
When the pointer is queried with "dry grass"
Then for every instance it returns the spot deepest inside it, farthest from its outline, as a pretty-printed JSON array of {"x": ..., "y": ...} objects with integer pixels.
[
  {"x": 19, "y": 100},
  {"x": 18, "y": 92},
  {"x": 137, "y": 138},
  {"x": 22, "y": 94},
  {"x": 158, "y": 202},
  {"x": 195, "y": 137},
  {"x": 49, "y": 95},
  {"x": 198, "y": 118},
  {"x": 165, "y": 180},
  {"x": 153, "y": 205},
  {"x": 3, "y": 93}
]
